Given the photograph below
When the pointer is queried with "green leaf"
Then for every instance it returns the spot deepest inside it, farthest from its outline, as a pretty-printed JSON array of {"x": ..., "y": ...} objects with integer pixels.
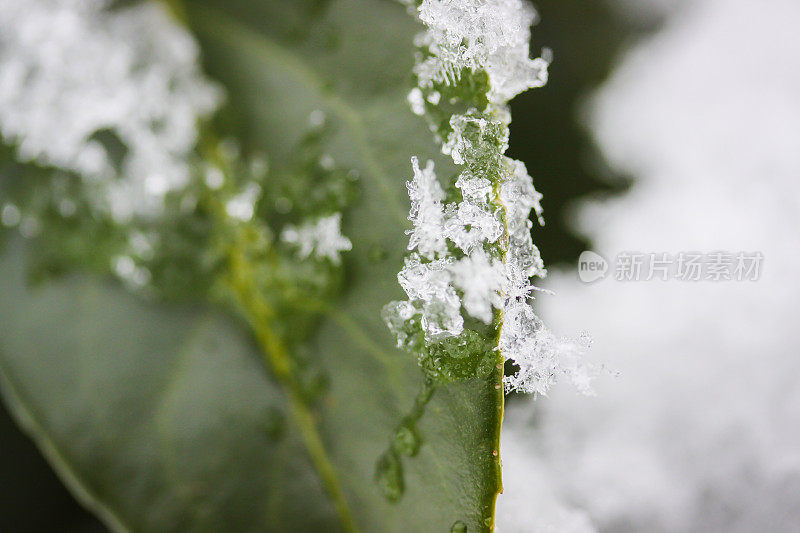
[{"x": 166, "y": 419}]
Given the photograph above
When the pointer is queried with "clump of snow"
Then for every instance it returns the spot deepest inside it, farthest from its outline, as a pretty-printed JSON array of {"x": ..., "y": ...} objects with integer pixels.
[
  {"x": 540, "y": 354},
  {"x": 323, "y": 238},
  {"x": 72, "y": 69},
  {"x": 519, "y": 198},
  {"x": 491, "y": 35},
  {"x": 431, "y": 274},
  {"x": 701, "y": 431},
  {"x": 480, "y": 279},
  {"x": 429, "y": 286},
  {"x": 427, "y": 212}
]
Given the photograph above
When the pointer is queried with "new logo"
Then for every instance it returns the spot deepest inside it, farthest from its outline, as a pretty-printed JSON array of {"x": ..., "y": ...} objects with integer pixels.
[{"x": 591, "y": 266}]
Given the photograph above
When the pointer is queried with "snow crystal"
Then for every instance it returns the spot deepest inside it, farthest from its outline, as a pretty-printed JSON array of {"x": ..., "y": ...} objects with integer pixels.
[
  {"x": 540, "y": 355},
  {"x": 73, "y": 72},
  {"x": 426, "y": 213},
  {"x": 430, "y": 284},
  {"x": 481, "y": 280},
  {"x": 469, "y": 225},
  {"x": 520, "y": 197},
  {"x": 322, "y": 238}
]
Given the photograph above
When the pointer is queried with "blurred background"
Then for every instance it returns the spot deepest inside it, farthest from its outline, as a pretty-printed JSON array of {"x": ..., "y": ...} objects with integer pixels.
[
  {"x": 699, "y": 430},
  {"x": 666, "y": 126}
]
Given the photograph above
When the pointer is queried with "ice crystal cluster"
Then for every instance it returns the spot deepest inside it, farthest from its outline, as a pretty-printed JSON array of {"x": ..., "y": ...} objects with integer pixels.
[
  {"x": 471, "y": 254},
  {"x": 75, "y": 73},
  {"x": 488, "y": 35}
]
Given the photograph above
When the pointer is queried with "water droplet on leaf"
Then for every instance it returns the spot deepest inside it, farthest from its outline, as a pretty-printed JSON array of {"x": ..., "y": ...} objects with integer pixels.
[
  {"x": 458, "y": 527},
  {"x": 406, "y": 440},
  {"x": 389, "y": 476}
]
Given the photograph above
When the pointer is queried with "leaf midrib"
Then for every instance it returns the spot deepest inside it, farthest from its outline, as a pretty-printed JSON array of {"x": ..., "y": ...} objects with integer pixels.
[{"x": 215, "y": 24}]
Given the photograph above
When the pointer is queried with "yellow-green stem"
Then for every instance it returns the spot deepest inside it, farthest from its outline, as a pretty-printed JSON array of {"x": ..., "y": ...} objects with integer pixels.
[
  {"x": 241, "y": 281},
  {"x": 259, "y": 314}
]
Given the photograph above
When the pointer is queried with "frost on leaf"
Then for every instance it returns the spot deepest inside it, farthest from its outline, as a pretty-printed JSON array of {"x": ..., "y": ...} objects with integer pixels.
[
  {"x": 322, "y": 238},
  {"x": 429, "y": 285},
  {"x": 469, "y": 225},
  {"x": 491, "y": 35},
  {"x": 476, "y": 136},
  {"x": 80, "y": 81},
  {"x": 470, "y": 271}
]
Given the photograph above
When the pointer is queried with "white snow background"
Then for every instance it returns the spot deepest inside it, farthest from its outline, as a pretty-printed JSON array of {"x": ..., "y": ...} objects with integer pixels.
[{"x": 701, "y": 430}]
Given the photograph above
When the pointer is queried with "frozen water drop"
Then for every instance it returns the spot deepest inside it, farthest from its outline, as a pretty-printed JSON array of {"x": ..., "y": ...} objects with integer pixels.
[{"x": 458, "y": 527}]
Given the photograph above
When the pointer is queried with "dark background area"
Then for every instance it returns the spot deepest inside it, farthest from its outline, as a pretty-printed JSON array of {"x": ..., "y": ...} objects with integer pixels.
[{"x": 585, "y": 36}]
